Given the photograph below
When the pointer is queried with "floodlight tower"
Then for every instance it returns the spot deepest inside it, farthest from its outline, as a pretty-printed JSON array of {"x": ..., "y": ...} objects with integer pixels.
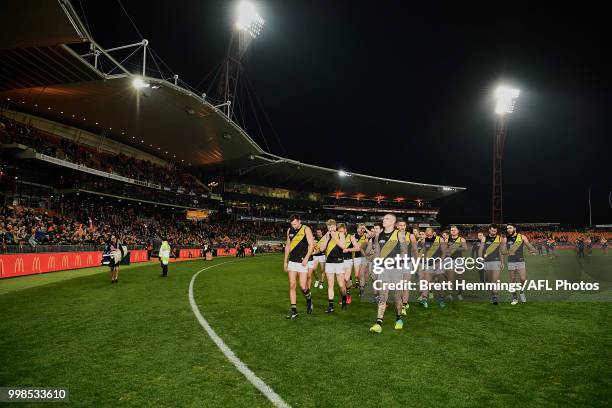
[
  {"x": 247, "y": 27},
  {"x": 506, "y": 100}
]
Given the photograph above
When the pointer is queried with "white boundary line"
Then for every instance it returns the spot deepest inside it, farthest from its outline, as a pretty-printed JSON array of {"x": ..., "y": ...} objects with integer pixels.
[{"x": 264, "y": 388}]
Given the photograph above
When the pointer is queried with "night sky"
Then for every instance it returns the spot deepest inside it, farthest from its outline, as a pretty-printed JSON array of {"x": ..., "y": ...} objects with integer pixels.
[{"x": 401, "y": 91}]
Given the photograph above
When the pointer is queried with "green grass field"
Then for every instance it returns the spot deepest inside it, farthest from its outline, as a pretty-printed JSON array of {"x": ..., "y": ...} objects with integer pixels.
[{"x": 138, "y": 343}]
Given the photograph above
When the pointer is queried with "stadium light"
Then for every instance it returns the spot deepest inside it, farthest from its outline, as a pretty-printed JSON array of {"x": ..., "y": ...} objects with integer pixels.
[
  {"x": 138, "y": 83},
  {"x": 506, "y": 99},
  {"x": 249, "y": 19},
  {"x": 343, "y": 173}
]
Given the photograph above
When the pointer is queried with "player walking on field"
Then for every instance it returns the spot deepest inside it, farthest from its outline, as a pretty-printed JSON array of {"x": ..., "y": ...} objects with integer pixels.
[
  {"x": 388, "y": 244},
  {"x": 318, "y": 265},
  {"x": 298, "y": 263},
  {"x": 351, "y": 247},
  {"x": 516, "y": 259},
  {"x": 359, "y": 260},
  {"x": 490, "y": 250},
  {"x": 411, "y": 246},
  {"x": 334, "y": 243},
  {"x": 455, "y": 245}
]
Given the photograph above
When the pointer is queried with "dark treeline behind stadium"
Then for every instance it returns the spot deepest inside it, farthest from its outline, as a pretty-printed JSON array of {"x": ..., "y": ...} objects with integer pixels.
[{"x": 380, "y": 89}]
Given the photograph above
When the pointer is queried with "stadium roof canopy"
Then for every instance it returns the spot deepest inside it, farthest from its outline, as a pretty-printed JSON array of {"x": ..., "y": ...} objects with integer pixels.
[{"x": 42, "y": 75}]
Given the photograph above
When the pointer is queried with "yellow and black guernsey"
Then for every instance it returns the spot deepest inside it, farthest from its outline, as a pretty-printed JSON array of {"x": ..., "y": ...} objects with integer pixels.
[
  {"x": 348, "y": 243},
  {"x": 455, "y": 247},
  {"x": 298, "y": 244},
  {"x": 420, "y": 243},
  {"x": 432, "y": 247},
  {"x": 491, "y": 250},
  {"x": 389, "y": 244},
  {"x": 515, "y": 248},
  {"x": 333, "y": 253},
  {"x": 409, "y": 243},
  {"x": 319, "y": 249},
  {"x": 361, "y": 240}
]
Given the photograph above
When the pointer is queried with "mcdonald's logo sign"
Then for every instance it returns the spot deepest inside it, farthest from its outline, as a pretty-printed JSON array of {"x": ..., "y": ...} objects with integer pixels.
[
  {"x": 36, "y": 264},
  {"x": 19, "y": 265},
  {"x": 77, "y": 261},
  {"x": 65, "y": 261},
  {"x": 51, "y": 263},
  {"x": 89, "y": 259}
]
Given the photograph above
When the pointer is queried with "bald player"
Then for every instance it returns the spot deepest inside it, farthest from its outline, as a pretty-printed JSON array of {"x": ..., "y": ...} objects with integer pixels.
[{"x": 388, "y": 244}]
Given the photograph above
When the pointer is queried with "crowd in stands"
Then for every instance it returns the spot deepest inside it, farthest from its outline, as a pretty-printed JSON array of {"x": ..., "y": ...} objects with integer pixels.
[
  {"x": 64, "y": 149},
  {"x": 91, "y": 220},
  {"x": 84, "y": 221}
]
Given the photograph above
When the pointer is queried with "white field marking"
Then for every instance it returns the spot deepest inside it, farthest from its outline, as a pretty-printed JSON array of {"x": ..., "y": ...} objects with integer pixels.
[{"x": 264, "y": 388}]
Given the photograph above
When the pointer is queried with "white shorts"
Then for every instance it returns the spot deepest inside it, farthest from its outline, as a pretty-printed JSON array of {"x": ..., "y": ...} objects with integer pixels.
[
  {"x": 334, "y": 267},
  {"x": 515, "y": 266},
  {"x": 348, "y": 263},
  {"x": 358, "y": 261},
  {"x": 298, "y": 267},
  {"x": 492, "y": 266},
  {"x": 319, "y": 258}
]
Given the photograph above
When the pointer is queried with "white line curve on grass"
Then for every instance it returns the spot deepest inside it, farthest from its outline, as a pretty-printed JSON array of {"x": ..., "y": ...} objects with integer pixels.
[{"x": 264, "y": 388}]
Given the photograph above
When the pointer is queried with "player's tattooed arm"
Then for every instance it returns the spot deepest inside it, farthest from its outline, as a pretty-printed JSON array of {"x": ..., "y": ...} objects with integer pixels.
[
  {"x": 403, "y": 244},
  {"x": 413, "y": 246},
  {"x": 529, "y": 246}
]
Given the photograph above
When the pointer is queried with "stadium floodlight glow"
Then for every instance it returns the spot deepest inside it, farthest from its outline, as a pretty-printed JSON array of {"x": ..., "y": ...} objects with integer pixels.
[
  {"x": 138, "y": 83},
  {"x": 249, "y": 19},
  {"x": 506, "y": 99},
  {"x": 343, "y": 173}
]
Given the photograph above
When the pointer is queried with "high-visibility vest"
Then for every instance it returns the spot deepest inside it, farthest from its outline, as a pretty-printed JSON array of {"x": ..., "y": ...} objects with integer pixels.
[{"x": 164, "y": 252}]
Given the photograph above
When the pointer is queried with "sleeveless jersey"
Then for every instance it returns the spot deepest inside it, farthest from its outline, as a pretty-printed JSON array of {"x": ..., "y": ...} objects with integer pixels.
[
  {"x": 515, "y": 248},
  {"x": 348, "y": 244},
  {"x": 298, "y": 244},
  {"x": 389, "y": 244},
  {"x": 432, "y": 247},
  {"x": 318, "y": 249},
  {"x": 455, "y": 247},
  {"x": 408, "y": 243},
  {"x": 361, "y": 240},
  {"x": 420, "y": 243},
  {"x": 491, "y": 248},
  {"x": 333, "y": 252}
]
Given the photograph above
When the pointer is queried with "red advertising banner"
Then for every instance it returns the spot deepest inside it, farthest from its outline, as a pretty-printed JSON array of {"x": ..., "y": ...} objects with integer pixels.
[
  {"x": 190, "y": 253},
  {"x": 28, "y": 264},
  {"x": 231, "y": 251}
]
